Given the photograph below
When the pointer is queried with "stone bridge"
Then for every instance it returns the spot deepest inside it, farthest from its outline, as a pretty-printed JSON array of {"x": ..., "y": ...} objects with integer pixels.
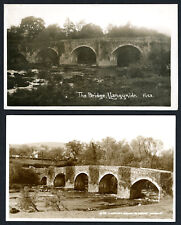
[
  {"x": 100, "y": 51},
  {"x": 120, "y": 180}
]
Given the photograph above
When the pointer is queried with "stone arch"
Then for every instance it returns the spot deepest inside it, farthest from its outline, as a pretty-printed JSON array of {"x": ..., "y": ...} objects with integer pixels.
[
  {"x": 83, "y": 54},
  {"x": 59, "y": 180},
  {"x": 106, "y": 173},
  {"x": 80, "y": 172},
  {"x": 108, "y": 184},
  {"x": 54, "y": 49},
  {"x": 43, "y": 180},
  {"x": 144, "y": 179},
  {"x": 124, "y": 55},
  {"x": 81, "y": 181},
  {"x": 48, "y": 56}
]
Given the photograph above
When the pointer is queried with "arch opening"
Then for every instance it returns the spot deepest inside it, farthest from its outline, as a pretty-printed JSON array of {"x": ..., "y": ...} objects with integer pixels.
[
  {"x": 108, "y": 184},
  {"x": 59, "y": 180},
  {"x": 47, "y": 56},
  {"x": 126, "y": 55},
  {"x": 81, "y": 182},
  {"x": 144, "y": 189},
  {"x": 43, "y": 181},
  {"x": 84, "y": 55}
]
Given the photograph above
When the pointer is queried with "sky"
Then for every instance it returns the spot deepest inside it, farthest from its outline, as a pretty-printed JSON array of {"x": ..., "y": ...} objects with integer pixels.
[
  {"x": 35, "y": 128},
  {"x": 161, "y": 17}
]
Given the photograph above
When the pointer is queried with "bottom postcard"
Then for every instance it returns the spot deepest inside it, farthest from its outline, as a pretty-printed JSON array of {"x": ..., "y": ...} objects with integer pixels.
[{"x": 98, "y": 168}]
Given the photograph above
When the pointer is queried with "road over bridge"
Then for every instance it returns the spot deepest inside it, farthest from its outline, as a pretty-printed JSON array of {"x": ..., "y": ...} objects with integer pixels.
[
  {"x": 123, "y": 181},
  {"x": 99, "y": 51}
]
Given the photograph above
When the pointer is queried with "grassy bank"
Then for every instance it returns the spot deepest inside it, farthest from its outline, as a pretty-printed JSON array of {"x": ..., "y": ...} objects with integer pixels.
[{"x": 89, "y": 86}]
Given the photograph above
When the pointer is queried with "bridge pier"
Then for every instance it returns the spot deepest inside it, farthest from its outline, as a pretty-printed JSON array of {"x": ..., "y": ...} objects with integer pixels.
[
  {"x": 93, "y": 188},
  {"x": 49, "y": 182},
  {"x": 104, "y": 62},
  {"x": 69, "y": 184},
  {"x": 123, "y": 192}
]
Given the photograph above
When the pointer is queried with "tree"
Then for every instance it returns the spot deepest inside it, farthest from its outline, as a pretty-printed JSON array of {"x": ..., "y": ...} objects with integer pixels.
[
  {"x": 129, "y": 30},
  {"x": 14, "y": 33},
  {"x": 51, "y": 33},
  {"x": 69, "y": 28},
  {"x": 166, "y": 160},
  {"x": 92, "y": 154},
  {"x": 74, "y": 150},
  {"x": 109, "y": 28},
  {"x": 79, "y": 25},
  {"x": 108, "y": 145},
  {"x": 56, "y": 153},
  {"x": 22, "y": 150},
  {"x": 90, "y": 30},
  {"x": 32, "y": 26},
  {"x": 146, "y": 151},
  {"x": 125, "y": 156}
]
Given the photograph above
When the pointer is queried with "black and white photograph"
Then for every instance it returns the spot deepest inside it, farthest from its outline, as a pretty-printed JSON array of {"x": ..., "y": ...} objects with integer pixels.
[
  {"x": 91, "y": 56},
  {"x": 90, "y": 111},
  {"x": 98, "y": 168}
]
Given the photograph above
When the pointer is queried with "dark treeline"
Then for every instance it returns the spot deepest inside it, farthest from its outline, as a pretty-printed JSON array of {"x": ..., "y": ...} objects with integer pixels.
[
  {"x": 32, "y": 28},
  {"x": 140, "y": 152}
]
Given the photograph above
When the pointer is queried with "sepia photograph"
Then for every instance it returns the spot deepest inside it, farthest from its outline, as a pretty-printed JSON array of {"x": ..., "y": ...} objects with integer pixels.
[
  {"x": 90, "y": 56},
  {"x": 98, "y": 168}
]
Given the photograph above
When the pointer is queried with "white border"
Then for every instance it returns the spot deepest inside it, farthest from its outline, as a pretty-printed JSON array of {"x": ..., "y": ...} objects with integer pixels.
[
  {"x": 174, "y": 81},
  {"x": 89, "y": 219}
]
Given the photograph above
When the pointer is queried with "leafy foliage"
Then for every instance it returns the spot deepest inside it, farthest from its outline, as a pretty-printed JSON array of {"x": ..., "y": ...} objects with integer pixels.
[
  {"x": 51, "y": 33},
  {"x": 69, "y": 28},
  {"x": 32, "y": 26},
  {"x": 129, "y": 30},
  {"x": 14, "y": 33},
  {"x": 140, "y": 152},
  {"x": 90, "y": 30},
  {"x": 74, "y": 149}
]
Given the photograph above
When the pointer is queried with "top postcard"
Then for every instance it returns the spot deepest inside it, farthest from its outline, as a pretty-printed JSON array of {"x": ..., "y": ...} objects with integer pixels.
[{"x": 91, "y": 56}]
